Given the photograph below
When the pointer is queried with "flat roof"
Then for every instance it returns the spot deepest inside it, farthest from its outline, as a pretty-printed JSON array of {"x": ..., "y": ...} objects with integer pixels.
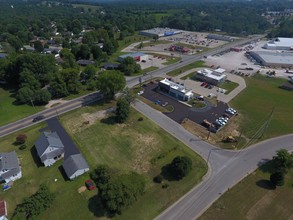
[
  {"x": 275, "y": 57},
  {"x": 161, "y": 31},
  {"x": 213, "y": 74},
  {"x": 137, "y": 54},
  {"x": 280, "y": 42},
  {"x": 176, "y": 86}
]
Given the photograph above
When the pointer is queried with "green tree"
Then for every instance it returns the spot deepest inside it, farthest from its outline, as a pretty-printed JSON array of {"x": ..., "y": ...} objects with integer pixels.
[
  {"x": 24, "y": 95},
  {"x": 277, "y": 179},
  {"x": 97, "y": 52},
  {"x": 88, "y": 73},
  {"x": 38, "y": 46},
  {"x": 101, "y": 175},
  {"x": 122, "y": 110},
  {"x": 28, "y": 79},
  {"x": 57, "y": 86},
  {"x": 68, "y": 58},
  {"x": 42, "y": 97},
  {"x": 110, "y": 82},
  {"x": 121, "y": 192},
  {"x": 35, "y": 204},
  {"x": 283, "y": 161},
  {"x": 71, "y": 78},
  {"x": 84, "y": 52},
  {"x": 180, "y": 167},
  {"x": 128, "y": 66}
]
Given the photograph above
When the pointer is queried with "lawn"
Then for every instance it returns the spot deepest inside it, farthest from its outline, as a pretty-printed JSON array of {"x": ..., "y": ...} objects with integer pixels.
[
  {"x": 139, "y": 146},
  {"x": 257, "y": 101},
  {"x": 229, "y": 86},
  {"x": 196, "y": 64},
  {"x": 153, "y": 42},
  {"x": 10, "y": 112},
  {"x": 253, "y": 198}
]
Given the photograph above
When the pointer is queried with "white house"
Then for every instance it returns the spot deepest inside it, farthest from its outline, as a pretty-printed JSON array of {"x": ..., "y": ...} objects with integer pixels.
[
  {"x": 49, "y": 148},
  {"x": 9, "y": 167},
  {"x": 75, "y": 165}
]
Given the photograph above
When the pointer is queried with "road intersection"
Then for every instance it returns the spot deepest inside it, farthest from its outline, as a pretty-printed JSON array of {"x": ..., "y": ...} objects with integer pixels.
[{"x": 226, "y": 168}]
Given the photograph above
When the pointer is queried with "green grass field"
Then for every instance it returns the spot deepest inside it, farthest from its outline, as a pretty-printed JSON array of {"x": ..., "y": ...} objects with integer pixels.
[
  {"x": 196, "y": 64},
  {"x": 10, "y": 112},
  {"x": 257, "y": 101},
  {"x": 252, "y": 198},
  {"x": 229, "y": 86},
  {"x": 142, "y": 147}
]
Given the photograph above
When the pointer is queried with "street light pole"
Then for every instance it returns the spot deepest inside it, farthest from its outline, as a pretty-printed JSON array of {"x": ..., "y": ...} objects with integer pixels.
[{"x": 33, "y": 104}]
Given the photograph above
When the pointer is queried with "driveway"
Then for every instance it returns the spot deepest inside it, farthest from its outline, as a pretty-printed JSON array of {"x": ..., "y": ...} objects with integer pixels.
[
  {"x": 69, "y": 145},
  {"x": 182, "y": 111}
]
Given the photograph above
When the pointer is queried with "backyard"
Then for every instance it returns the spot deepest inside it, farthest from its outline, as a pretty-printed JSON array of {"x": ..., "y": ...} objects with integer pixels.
[{"x": 139, "y": 146}]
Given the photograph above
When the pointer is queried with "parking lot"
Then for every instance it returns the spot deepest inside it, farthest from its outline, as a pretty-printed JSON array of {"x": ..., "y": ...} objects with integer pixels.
[{"x": 182, "y": 111}]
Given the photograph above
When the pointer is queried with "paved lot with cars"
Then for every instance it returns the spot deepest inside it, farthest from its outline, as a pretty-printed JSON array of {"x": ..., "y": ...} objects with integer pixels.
[{"x": 182, "y": 111}]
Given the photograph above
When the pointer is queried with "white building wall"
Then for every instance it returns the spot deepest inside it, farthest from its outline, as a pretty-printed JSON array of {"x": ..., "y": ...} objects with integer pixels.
[
  {"x": 78, "y": 173},
  {"x": 13, "y": 178}
]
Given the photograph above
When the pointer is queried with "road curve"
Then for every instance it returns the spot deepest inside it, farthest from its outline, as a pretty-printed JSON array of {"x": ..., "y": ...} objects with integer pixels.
[{"x": 226, "y": 167}]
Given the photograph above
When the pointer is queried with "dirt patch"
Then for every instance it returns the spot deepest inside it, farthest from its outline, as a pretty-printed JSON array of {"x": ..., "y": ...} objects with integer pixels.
[
  {"x": 87, "y": 119},
  {"x": 142, "y": 153},
  {"x": 81, "y": 189},
  {"x": 261, "y": 205}
]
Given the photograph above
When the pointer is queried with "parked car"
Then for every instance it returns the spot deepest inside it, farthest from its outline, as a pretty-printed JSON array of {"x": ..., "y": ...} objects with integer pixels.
[
  {"x": 203, "y": 84},
  {"x": 90, "y": 184},
  {"x": 39, "y": 118},
  {"x": 207, "y": 85},
  {"x": 223, "y": 119}
]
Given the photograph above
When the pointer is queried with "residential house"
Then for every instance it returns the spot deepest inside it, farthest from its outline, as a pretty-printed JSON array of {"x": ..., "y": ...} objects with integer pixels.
[
  {"x": 75, "y": 165},
  {"x": 3, "y": 210},
  {"x": 9, "y": 167},
  {"x": 49, "y": 148}
]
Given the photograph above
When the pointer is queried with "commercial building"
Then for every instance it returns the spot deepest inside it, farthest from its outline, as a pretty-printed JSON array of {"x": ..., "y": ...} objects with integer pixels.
[
  {"x": 219, "y": 37},
  {"x": 273, "y": 59},
  {"x": 279, "y": 43},
  {"x": 160, "y": 32},
  {"x": 136, "y": 56},
  {"x": 214, "y": 77},
  {"x": 179, "y": 49},
  {"x": 176, "y": 90}
]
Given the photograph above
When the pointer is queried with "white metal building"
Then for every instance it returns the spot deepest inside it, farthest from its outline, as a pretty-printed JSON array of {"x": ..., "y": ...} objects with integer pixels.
[
  {"x": 176, "y": 90},
  {"x": 277, "y": 59},
  {"x": 279, "y": 43},
  {"x": 214, "y": 77},
  {"x": 160, "y": 32}
]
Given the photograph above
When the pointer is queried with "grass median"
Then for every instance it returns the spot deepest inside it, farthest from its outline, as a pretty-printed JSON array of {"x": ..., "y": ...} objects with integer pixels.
[{"x": 196, "y": 64}]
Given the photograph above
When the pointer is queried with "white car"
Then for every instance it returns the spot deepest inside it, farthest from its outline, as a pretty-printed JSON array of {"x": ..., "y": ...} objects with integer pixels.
[
  {"x": 223, "y": 119},
  {"x": 232, "y": 110},
  {"x": 219, "y": 123}
]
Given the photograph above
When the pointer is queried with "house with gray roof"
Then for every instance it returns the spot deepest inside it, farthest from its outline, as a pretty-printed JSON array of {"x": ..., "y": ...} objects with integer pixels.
[
  {"x": 9, "y": 167},
  {"x": 49, "y": 148},
  {"x": 75, "y": 165}
]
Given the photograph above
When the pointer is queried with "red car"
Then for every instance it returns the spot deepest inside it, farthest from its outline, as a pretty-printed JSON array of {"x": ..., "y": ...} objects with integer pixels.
[{"x": 90, "y": 184}]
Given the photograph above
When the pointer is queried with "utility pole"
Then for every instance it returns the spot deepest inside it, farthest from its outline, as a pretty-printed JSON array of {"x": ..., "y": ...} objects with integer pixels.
[
  {"x": 33, "y": 104},
  {"x": 57, "y": 113},
  {"x": 268, "y": 122}
]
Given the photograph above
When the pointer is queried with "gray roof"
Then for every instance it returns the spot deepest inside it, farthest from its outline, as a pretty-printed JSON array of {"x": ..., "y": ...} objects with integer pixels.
[
  {"x": 74, "y": 163},
  {"x": 9, "y": 161},
  {"x": 48, "y": 139},
  {"x": 284, "y": 58}
]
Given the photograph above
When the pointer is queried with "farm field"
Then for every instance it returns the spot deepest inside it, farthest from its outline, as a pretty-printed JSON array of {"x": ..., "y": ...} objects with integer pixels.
[
  {"x": 253, "y": 198},
  {"x": 139, "y": 146}
]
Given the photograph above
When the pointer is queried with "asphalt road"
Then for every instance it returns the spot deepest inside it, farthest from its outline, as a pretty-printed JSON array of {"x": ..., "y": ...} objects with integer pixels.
[{"x": 227, "y": 168}]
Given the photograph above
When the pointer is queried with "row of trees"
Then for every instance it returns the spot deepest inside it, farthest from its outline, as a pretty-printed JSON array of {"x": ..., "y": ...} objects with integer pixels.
[
  {"x": 117, "y": 192},
  {"x": 34, "y": 205}
]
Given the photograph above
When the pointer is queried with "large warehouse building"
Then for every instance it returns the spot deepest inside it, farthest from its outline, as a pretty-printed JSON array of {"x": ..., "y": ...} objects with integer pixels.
[
  {"x": 136, "y": 56},
  {"x": 280, "y": 43},
  {"x": 214, "y": 77},
  {"x": 160, "y": 32},
  {"x": 176, "y": 90},
  {"x": 273, "y": 59}
]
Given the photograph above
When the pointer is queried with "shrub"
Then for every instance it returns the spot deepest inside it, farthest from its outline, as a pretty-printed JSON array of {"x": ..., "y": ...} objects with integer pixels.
[
  {"x": 22, "y": 147},
  {"x": 21, "y": 138},
  {"x": 165, "y": 186},
  {"x": 158, "y": 179},
  {"x": 277, "y": 179},
  {"x": 180, "y": 167},
  {"x": 140, "y": 119}
]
